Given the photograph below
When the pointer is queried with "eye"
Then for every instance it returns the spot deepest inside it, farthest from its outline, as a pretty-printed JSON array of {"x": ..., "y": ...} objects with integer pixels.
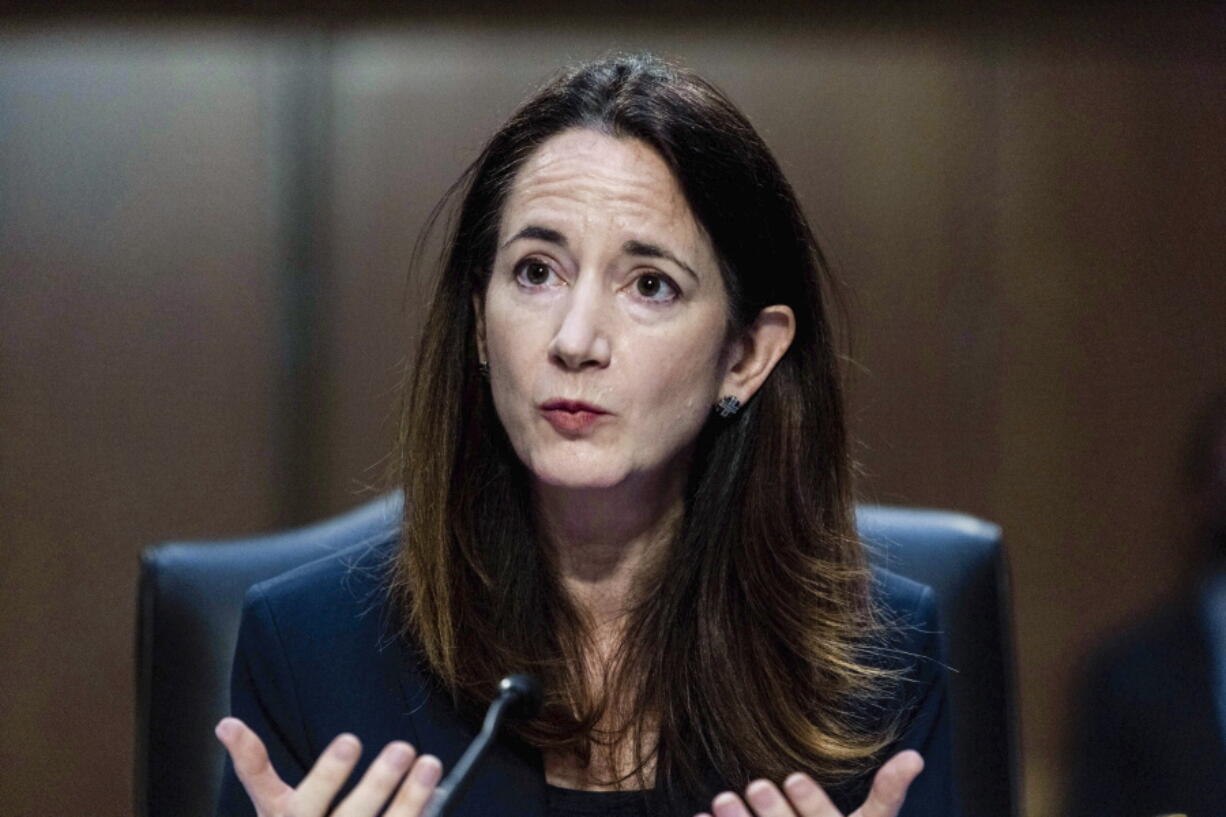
[
  {"x": 533, "y": 272},
  {"x": 655, "y": 286}
]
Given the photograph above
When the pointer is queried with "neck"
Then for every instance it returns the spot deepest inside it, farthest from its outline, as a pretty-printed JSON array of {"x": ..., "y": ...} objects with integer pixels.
[{"x": 603, "y": 538}]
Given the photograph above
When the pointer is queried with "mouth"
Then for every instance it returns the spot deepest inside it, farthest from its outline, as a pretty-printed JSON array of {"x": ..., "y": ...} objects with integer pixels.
[
  {"x": 572, "y": 417},
  {"x": 572, "y": 406}
]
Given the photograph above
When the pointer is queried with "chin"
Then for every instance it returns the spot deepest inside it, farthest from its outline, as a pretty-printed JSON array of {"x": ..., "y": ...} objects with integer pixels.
[{"x": 576, "y": 475}]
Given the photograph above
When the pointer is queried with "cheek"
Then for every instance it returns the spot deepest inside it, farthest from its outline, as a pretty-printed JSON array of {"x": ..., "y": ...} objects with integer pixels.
[
  {"x": 515, "y": 348},
  {"x": 507, "y": 334},
  {"x": 684, "y": 387},
  {"x": 510, "y": 372}
]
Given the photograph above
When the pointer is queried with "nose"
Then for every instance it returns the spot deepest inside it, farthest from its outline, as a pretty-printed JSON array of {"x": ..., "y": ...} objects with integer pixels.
[{"x": 582, "y": 341}]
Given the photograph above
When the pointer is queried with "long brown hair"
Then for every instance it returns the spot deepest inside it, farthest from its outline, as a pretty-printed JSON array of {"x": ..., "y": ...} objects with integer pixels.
[{"x": 743, "y": 651}]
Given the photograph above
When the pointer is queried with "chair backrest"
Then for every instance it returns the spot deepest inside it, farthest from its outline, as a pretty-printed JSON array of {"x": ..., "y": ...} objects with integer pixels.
[
  {"x": 191, "y": 596},
  {"x": 962, "y": 559},
  {"x": 190, "y": 601}
]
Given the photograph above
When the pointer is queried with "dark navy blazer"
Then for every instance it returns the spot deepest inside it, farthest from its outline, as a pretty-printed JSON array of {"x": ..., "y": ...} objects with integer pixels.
[{"x": 317, "y": 655}]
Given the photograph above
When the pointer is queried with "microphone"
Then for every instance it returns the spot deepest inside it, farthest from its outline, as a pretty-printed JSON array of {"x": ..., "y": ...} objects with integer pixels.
[{"x": 518, "y": 696}]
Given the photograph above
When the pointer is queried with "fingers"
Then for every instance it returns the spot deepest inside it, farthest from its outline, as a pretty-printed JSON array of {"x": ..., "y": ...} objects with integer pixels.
[
  {"x": 326, "y": 777},
  {"x": 251, "y": 764},
  {"x": 270, "y": 795},
  {"x": 890, "y": 785},
  {"x": 415, "y": 791},
  {"x": 809, "y": 798},
  {"x": 728, "y": 804},
  {"x": 804, "y": 799},
  {"x": 380, "y": 780},
  {"x": 766, "y": 800}
]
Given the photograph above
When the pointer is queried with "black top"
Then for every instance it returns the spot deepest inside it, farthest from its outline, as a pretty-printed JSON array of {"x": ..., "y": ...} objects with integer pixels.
[{"x": 561, "y": 802}]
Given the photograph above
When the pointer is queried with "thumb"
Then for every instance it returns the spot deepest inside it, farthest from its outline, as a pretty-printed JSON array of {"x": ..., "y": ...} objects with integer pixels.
[
  {"x": 251, "y": 764},
  {"x": 890, "y": 785}
]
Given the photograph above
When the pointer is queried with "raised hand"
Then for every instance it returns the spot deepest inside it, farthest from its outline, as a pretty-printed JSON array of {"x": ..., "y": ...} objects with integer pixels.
[
  {"x": 273, "y": 797},
  {"x": 802, "y": 797}
]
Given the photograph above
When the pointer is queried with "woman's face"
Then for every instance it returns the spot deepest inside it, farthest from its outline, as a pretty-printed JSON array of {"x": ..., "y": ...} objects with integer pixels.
[{"x": 604, "y": 320}]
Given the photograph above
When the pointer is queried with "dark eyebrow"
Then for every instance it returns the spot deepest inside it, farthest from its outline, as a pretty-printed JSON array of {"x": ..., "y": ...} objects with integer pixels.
[
  {"x": 652, "y": 251},
  {"x": 541, "y": 233},
  {"x": 636, "y": 248}
]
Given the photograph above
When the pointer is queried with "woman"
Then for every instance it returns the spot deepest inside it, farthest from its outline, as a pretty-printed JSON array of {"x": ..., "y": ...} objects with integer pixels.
[{"x": 626, "y": 473}]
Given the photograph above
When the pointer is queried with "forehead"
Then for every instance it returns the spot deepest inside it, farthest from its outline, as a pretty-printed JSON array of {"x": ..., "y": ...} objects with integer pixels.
[{"x": 584, "y": 175}]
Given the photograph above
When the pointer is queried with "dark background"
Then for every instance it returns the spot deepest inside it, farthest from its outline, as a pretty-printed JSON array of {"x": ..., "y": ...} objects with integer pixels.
[{"x": 206, "y": 217}]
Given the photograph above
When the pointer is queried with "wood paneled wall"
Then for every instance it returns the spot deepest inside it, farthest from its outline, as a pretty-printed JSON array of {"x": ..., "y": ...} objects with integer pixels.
[
  {"x": 139, "y": 367},
  {"x": 205, "y": 230}
]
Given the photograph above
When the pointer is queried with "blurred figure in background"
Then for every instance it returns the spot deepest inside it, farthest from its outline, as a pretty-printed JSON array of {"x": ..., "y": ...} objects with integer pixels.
[{"x": 1151, "y": 737}]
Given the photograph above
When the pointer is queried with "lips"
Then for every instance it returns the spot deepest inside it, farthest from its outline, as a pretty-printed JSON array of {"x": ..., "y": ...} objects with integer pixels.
[{"x": 572, "y": 416}]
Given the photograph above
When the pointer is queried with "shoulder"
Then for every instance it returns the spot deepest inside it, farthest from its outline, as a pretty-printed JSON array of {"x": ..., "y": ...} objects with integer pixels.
[
  {"x": 910, "y": 703},
  {"x": 910, "y": 646},
  {"x": 908, "y": 613},
  {"x": 900, "y": 595},
  {"x": 344, "y": 584},
  {"x": 330, "y": 613},
  {"x": 320, "y": 651}
]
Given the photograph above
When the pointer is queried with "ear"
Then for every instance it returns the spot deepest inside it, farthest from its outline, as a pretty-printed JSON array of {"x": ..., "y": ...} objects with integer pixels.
[
  {"x": 755, "y": 353},
  {"x": 479, "y": 313}
]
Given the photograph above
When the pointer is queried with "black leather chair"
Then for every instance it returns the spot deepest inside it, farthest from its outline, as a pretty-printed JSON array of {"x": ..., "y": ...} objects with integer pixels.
[
  {"x": 962, "y": 559},
  {"x": 191, "y": 596}
]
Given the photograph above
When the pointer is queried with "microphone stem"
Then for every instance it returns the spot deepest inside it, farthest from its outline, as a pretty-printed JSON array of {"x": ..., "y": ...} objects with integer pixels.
[{"x": 451, "y": 789}]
